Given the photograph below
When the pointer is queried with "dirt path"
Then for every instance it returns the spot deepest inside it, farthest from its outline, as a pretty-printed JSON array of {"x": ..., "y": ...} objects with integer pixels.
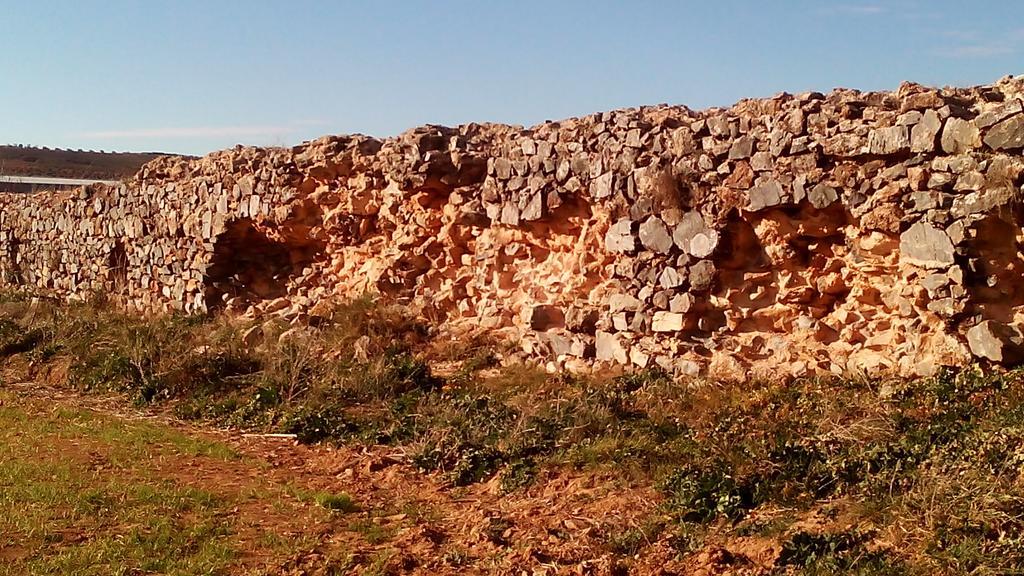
[{"x": 401, "y": 521}]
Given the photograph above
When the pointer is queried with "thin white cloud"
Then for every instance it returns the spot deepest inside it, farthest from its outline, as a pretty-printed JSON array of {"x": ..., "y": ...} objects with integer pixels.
[
  {"x": 978, "y": 50},
  {"x": 859, "y": 9},
  {"x": 973, "y": 46},
  {"x": 189, "y": 132},
  {"x": 961, "y": 35}
]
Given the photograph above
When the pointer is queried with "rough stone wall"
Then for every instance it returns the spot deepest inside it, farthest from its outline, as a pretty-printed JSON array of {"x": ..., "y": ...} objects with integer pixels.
[{"x": 846, "y": 232}]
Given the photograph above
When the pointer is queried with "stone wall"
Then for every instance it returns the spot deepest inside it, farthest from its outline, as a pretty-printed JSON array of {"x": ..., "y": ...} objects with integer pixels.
[{"x": 846, "y": 232}]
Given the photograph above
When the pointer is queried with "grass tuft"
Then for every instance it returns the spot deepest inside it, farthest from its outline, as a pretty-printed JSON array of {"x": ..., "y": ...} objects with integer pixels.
[{"x": 338, "y": 502}]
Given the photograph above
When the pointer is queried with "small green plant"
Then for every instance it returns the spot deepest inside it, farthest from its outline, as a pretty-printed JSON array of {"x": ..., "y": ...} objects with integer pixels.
[
  {"x": 705, "y": 492},
  {"x": 340, "y": 502},
  {"x": 396, "y": 373},
  {"x": 464, "y": 436},
  {"x": 312, "y": 424},
  {"x": 456, "y": 557},
  {"x": 631, "y": 541},
  {"x": 373, "y": 532},
  {"x": 8, "y": 329},
  {"x": 16, "y": 341},
  {"x": 518, "y": 474},
  {"x": 835, "y": 553},
  {"x": 106, "y": 370},
  {"x": 497, "y": 529}
]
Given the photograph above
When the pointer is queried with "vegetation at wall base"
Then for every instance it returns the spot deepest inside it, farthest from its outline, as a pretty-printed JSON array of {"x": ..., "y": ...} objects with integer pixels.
[{"x": 840, "y": 475}]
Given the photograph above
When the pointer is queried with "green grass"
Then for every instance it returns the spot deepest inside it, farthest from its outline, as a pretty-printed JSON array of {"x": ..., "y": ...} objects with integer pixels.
[
  {"x": 68, "y": 517},
  {"x": 85, "y": 493},
  {"x": 338, "y": 502}
]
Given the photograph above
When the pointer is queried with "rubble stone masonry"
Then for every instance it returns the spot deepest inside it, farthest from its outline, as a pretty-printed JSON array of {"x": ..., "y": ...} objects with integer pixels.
[{"x": 850, "y": 232}]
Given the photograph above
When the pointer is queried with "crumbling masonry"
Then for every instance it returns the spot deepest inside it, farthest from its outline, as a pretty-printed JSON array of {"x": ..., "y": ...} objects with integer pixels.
[{"x": 877, "y": 232}]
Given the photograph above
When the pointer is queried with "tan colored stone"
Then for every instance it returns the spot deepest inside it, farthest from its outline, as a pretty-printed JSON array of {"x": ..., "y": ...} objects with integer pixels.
[{"x": 667, "y": 322}]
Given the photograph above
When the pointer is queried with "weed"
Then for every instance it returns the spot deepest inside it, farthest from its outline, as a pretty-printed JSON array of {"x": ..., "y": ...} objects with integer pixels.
[
  {"x": 381, "y": 564},
  {"x": 372, "y": 531},
  {"x": 395, "y": 373},
  {"x": 338, "y": 502},
  {"x": 704, "y": 492},
  {"x": 518, "y": 474},
  {"x": 834, "y": 553},
  {"x": 105, "y": 371},
  {"x": 631, "y": 541},
  {"x": 317, "y": 423},
  {"x": 13, "y": 340},
  {"x": 456, "y": 557},
  {"x": 497, "y": 530}
]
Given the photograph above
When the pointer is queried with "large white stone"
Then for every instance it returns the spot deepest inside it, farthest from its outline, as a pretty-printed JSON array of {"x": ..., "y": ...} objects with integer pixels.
[
  {"x": 609, "y": 347},
  {"x": 667, "y": 322},
  {"x": 926, "y": 246}
]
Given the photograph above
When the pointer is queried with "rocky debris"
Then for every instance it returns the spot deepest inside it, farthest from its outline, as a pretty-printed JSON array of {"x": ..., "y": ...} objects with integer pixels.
[
  {"x": 890, "y": 140},
  {"x": 621, "y": 302},
  {"x": 741, "y": 148},
  {"x": 960, "y": 136},
  {"x": 581, "y": 320},
  {"x": 671, "y": 278},
  {"x": 933, "y": 283},
  {"x": 703, "y": 244},
  {"x": 996, "y": 342},
  {"x": 681, "y": 303},
  {"x": 1006, "y": 135},
  {"x": 654, "y": 235},
  {"x": 690, "y": 225},
  {"x": 610, "y": 348},
  {"x": 926, "y": 246},
  {"x": 999, "y": 112},
  {"x": 764, "y": 195},
  {"x": 822, "y": 196},
  {"x": 602, "y": 187},
  {"x": 924, "y": 132},
  {"x": 802, "y": 234},
  {"x": 702, "y": 275},
  {"x": 667, "y": 322},
  {"x": 619, "y": 237}
]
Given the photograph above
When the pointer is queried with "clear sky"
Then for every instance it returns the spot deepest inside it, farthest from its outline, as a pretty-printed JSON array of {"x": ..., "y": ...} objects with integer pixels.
[{"x": 192, "y": 76}]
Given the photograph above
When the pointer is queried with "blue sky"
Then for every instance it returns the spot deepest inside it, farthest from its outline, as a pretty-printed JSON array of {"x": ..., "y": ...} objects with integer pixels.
[{"x": 194, "y": 76}]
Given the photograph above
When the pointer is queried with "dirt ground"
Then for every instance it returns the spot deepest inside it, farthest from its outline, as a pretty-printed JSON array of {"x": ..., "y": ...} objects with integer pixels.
[{"x": 403, "y": 521}]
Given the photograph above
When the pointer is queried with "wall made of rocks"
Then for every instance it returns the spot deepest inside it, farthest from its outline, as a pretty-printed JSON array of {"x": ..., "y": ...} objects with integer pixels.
[{"x": 849, "y": 232}]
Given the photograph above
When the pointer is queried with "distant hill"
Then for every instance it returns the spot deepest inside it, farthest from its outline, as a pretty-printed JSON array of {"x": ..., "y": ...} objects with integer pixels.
[{"x": 30, "y": 161}]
